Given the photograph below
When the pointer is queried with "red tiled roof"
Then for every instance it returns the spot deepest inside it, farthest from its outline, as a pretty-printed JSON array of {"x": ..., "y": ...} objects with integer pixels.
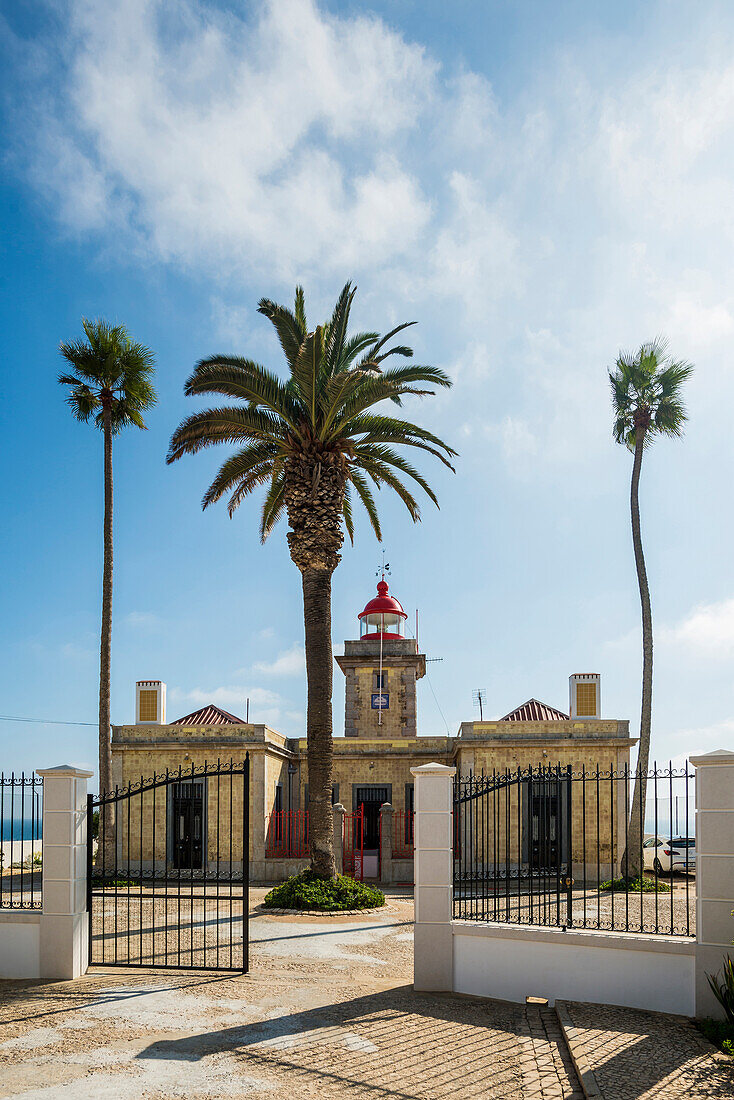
[
  {"x": 209, "y": 716},
  {"x": 535, "y": 711}
]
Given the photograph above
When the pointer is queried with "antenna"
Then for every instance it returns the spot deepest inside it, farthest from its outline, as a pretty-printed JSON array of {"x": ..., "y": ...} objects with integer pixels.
[
  {"x": 385, "y": 568},
  {"x": 479, "y": 698}
]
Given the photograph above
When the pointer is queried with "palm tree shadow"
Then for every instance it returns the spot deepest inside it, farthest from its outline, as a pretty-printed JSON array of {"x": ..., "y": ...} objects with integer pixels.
[{"x": 396, "y": 1043}]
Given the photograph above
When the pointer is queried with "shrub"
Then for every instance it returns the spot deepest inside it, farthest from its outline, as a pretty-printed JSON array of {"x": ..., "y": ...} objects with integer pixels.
[
  {"x": 723, "y": 989},
  {"x": 718, "y": 1032},
  {"x": 308, "y": 891},
  {"x": 636, "y": 885}
]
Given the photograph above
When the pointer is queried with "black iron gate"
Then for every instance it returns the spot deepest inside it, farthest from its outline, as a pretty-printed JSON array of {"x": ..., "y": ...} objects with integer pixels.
[{"x": 168, "y": 885}]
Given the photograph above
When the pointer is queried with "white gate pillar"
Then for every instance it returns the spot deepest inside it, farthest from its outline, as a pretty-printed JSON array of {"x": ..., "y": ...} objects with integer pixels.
[
  {"x": 714, "y": 872},
  {"x": 433, "y": 855},
  {"x": 64, "y": 920}
]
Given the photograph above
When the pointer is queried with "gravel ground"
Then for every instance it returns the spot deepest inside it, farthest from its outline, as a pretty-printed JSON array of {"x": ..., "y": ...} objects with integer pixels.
[
  {"x": 671, "y": 913},
  {"x": 327, "y": 1010}
]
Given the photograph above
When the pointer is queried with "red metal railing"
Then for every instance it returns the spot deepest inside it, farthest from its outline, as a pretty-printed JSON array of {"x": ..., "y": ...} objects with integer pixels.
[
  {"x": 287, "y": 834},
  {"x": 353, "y": 844},
  {"x": 402, "y": 834}
]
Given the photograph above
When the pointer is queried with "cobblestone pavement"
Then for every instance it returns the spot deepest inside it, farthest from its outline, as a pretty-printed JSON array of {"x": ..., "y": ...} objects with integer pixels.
[
  {"x": 628, "y": 1054},
  {"x": 548, "y": 1068},
  {"x": 327, "y": 1010}
]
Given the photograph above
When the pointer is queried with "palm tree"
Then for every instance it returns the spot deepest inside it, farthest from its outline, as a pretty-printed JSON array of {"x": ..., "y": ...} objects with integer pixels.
[
  {"x": 315, "y": 442},
  {"x": 111, "y": 385},
  {"x": 647, "y": 402}
]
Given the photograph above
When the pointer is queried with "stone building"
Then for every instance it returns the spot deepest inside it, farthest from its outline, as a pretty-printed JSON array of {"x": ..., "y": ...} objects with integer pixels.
[{"x": 372, "y": 761}]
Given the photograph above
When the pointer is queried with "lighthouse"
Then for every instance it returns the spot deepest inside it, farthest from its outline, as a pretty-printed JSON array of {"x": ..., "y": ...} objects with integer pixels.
[{"x": 381, "y": 670}]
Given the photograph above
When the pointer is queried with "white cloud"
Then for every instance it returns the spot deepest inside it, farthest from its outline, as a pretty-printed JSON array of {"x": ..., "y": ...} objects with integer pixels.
[
  {"x": 227, "y": 696},
  {"x": 707, "y": 631},
  {"x": 221, "y": 140},
  {"x": 517, "y": 442},
  {"x": 701, "y": 739},
  {"x": 291, "y": 662},
  {"x": 534, "y": 234},
  {"x": 142, "y": 620}
]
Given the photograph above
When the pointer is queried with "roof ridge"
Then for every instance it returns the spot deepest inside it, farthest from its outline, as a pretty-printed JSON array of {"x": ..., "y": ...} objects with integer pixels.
[
  {"x": 209, "y": 715},
  {"x": 526, "y": 712}
]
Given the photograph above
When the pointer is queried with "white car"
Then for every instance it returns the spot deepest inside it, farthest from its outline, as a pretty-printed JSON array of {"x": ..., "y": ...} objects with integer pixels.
[{"x": 665, "y": 856}]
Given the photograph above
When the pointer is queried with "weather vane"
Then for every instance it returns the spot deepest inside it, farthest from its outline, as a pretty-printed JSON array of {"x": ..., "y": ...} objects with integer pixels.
[{"x": 385, "y": 568}]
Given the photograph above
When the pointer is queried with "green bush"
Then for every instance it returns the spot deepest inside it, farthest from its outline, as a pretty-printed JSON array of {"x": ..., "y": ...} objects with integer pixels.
[
  {"x": 718, "y": 1032},
  {"x": 636, "y": 885},
  {"x": 723, "y": 989},
  {"x": 308, "y": 891}
]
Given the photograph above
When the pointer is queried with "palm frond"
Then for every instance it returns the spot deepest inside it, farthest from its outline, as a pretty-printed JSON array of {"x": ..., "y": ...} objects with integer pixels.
[
  {"x": 390, "y": 457},
  {"x": 226, "y": 425},
  {"x": 234, "y": 376},
  {"x": 324, "y": 407},
  {"x": 365, "y": 495},
  {"x": 381, "y": 472},
  {"x": 347, "y": 511},
  {"x": 238, "y": 467},
  {"x": 290, "y": 332},
  {"x": 648, "y": 384},
  {"x": 109, "y": 369},
  {"x": 274, "y": 504}
]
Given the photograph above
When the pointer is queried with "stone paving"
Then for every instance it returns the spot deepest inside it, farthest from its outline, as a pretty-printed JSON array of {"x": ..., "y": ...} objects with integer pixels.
[
  {"x": 327, "y": 1010},
  {"x": 627, "y": 1054}
]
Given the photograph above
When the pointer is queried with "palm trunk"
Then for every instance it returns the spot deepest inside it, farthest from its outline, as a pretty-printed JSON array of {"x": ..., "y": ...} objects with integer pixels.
[
  {"x": 632, "y": 860},
  {"x": 319, "y": 675},
  {"x": 106, "y": 824}
]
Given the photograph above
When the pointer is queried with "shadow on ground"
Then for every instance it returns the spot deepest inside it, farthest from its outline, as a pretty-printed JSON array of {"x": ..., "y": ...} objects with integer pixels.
[{"x": 395, "y": 1043}]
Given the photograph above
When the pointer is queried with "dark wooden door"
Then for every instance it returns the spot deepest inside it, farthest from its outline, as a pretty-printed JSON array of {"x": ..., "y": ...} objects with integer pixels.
[
  {"x": 545, "y": 845},
  {"x": 188, "y": 826},
  {"x": 371, "y": 798}
]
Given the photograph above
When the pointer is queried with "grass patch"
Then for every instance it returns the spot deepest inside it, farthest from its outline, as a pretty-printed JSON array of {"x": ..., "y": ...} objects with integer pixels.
[
  {"x": 636, "y": 886},
  {"x": 718, "y": 1032},
  {"x": 308, "y": 891}
]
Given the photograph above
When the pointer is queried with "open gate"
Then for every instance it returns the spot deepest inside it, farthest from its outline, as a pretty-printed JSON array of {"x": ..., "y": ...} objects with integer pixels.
[
  {"x": 168, "y": 886},
  {"x": 353, "y": 844}
]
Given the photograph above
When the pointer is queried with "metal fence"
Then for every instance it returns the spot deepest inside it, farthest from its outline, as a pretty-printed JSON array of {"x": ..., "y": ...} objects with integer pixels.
[
  {"x": 557, "y": 846},
  {"x": 287, "y": 834},
  {"x": 21, "y": 849},
  {"x": 402, "y": 834}
]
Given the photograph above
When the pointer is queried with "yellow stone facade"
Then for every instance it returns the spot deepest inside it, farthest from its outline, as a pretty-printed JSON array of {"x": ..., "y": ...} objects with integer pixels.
[{"x": 373, "y": 761}]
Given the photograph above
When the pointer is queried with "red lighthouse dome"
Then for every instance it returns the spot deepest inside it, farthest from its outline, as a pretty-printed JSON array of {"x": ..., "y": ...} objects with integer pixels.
[{"x": 383, "y": 616}]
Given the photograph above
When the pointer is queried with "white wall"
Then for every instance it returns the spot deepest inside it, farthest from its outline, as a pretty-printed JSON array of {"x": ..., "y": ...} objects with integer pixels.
[
  {"x": 20, "y": 944},
  {"x": 510, "y": 963}
]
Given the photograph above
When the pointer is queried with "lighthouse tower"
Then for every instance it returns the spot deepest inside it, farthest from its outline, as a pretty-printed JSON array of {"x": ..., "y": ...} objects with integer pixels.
[{"x": 381, "y": 670}]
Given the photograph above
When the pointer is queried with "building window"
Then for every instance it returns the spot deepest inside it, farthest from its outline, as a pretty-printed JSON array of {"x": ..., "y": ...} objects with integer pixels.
[
  {"x": 379, "y": 681},
  {"x": 585, "y": 699},
  {"x": 409, "y": 796},
  {"x": 278, "y": 798},
  {"x": 148, "y": 705}
]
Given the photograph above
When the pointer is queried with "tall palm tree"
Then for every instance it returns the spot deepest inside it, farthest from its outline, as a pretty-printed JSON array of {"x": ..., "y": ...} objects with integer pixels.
[
  {"x": 315, "y": 442},
  {"x": 111, "y": 385},
  {"x": 647, "y": 402}
]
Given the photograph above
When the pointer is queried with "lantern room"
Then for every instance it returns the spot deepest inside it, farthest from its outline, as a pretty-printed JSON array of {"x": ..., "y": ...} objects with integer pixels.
[{"x": 383, "y": 616}]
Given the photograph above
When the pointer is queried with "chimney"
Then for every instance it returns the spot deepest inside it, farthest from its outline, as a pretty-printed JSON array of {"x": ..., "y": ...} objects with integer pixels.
[
  {"x": 584, "y": 690},
  {"x": 150, "y": 702}
]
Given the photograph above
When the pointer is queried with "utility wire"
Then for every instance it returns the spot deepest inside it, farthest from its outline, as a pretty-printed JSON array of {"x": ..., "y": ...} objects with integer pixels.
[
  {"x": 433, "y": 693},
  {"x": 43, "y": 721}
]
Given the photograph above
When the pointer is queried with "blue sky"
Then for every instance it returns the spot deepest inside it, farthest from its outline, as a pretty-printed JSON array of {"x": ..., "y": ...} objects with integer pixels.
[{"x": 538, "y": 185}]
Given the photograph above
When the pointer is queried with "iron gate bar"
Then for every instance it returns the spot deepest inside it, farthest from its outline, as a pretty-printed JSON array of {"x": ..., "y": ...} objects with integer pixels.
[
  {"x": 113, "y": 898},
  {"x": 543, "y": 859}
]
